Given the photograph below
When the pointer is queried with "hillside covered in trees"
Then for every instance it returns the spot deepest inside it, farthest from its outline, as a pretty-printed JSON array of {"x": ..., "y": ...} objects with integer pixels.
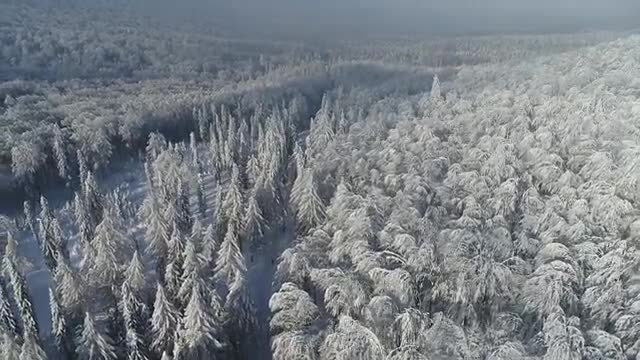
[{"x": 174, "y": 192}]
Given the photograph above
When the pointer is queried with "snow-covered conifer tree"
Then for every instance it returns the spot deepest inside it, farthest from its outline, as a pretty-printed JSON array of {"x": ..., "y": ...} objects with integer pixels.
[
  {"x": 60, "y": 153},
  {"x": 8, "y": 323},
  {"x": 31, "y": 350},
  {"x": 200, "y": 328},
  {"x": 306, "y": 202},
  {"x": 21, "y": 298},
  {"x": 9, "y": 349},
  {"x": 93, "y": 343},
  {"x": 164, "y": 321}
]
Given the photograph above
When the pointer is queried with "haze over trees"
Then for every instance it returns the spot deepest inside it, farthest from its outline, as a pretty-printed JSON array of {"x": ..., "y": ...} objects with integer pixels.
[{"x": 179, "y": 192}]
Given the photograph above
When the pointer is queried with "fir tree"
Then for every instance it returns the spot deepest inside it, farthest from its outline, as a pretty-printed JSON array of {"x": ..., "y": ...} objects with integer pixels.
[
  {"x": 94, "y": 344},
  {"x": 8, "y": 323},
  {"x": 229, "y": 258},
  {"x": 31, "y": 350},
  {"x": 173, "y": 271},
  {"x": 110, "y": 247},
  {"x": 92, "y": 199},
  {"x": 164, "y": 321},
  {"x": 156, "y": 232},
  {"x": 60, "y": 153},
  {"x": 253, "y": 222},
  {"x": 233, "y": 201},
  {"x": 83, "y": 168},
  {"x": 83, "y": 221},
  {"x": 69, "y": 287},
  {"x": 59, "y": 328},
  {"x": 29, "y": 219},
  {"x": 200, "y": 329},
  {"x": 22, "y": 299},
  {"x": 10, "y": 349},
  {"x": 306, "y": 202},
  {"x": 210, "y": 246},
  {"x": 436, "y": 93},
  {"x": 241, "y": 315},
  {"x": 132, "y": 309}
]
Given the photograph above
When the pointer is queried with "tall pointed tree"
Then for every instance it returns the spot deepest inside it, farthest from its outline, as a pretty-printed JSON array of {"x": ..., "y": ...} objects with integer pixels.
[
  {"x": 93, "y": 343},
  {"x": 22, "y": 298},
  {"x": 200, "y": 327},
  {"x": 164, "y": 321}
]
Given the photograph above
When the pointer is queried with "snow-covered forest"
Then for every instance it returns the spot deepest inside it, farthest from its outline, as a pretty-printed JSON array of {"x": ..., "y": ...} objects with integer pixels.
[{"x": 170, "y": 191}]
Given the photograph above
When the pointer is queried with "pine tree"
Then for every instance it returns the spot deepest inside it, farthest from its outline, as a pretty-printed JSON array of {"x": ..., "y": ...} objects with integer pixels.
[
  {"x": 60, "y": 153},
  {"x": 132, "y": 309},
  {"x": 209, "y": 248},
  {"x": 59, "y": 327},
  {"x": 157, "y": 232},
  {"x": 110, "y": 247},
  {"x": 29, "y": 219},
  {"x": 229, "y": 258},
  {"x": 306, "y": 202},
  {"x": 31, "y": 350},
  {"x": 10, "y": 350},
  {"x": 69, "y": 287},
  {"x": 200, "y": 329},
  {"x": 436, "y": 93},
  {"x": 173, "y": 271},
  {"x": 253, "y": 222},
  {"x": 51, "y": 242},
  {"x": 22, "y": 299},
  {"x": 135, "y": 275},
  {"x": 195, "y": 158},
  {"x": 200, "y": 196},
  {"x": 8, "y": 323},
  {"x": 11, "y": 248},
  {"x": 93, "y": 344},
  {"x": 164, "y": 321},
  {"x": 233, "y": 201},
  {"x": 156, "y": 144},
  {"x": 92, "y": 199},
  {"x": 83, "y": 221},
  {"x": 83, "y": 168},
  {"x": 241, "y": 315},
  {"x": 193, "y": 262}
]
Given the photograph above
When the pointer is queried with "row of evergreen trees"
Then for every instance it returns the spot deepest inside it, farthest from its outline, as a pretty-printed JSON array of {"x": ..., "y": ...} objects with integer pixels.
[{"x": 167, "y": 279}]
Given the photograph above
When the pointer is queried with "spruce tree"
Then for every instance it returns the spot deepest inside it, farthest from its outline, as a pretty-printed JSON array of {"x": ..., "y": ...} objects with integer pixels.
[
  {"x": 92, "y": 199},
  {"x": 173, "y": 271},
  {"x": 229, "y": 258},
  {"x": 29, "y": 219},
  {"x": 253, "y": 222},
  {"x": 31, "y": 350},
  {"x": 191, "y": 271},
  {"x": 8, "y": 323},
  {"x": 69, "y": 287},
  {"x": 241, "y": 315},
  {"x": 83, "y": 221},
  {"x": 10, "y": 349},
  {"x": 110, "y": 246},
  {"x": 307, "y": 204},
  {"x": 60, "y": 330},
  {"x": 199, "y": 332},
  {"x": 164, "y": 321},
  {"x": 93, "y": 343},
  {"x": 157, "y": 232},
  {"x": 132, "y": 309},
  {"x": 22, "y": 299},
  {"x": 210, "y": 246},
  {"x": 60, "y": 153},
  {"x": 233, "y": 202}
]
